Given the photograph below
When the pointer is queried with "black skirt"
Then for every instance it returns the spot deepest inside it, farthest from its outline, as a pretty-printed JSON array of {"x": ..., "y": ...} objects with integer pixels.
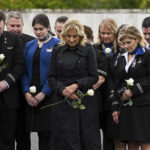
[
  {"x": 135, "y": 123},
  {"x": 39, "y": 119}
]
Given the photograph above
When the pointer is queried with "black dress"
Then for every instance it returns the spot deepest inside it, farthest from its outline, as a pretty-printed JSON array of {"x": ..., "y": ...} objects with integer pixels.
[
  {"x": 134, "y": 121},
  {"x": 37, "y": 119},
  {"x": 74, "y": 129}
]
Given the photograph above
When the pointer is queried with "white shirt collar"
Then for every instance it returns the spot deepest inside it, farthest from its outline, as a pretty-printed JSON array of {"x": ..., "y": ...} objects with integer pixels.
[{"x": 128, "y": 64}]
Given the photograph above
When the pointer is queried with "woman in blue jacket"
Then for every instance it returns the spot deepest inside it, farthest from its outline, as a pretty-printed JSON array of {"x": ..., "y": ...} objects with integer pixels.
[{"x": 34, "y": 81}]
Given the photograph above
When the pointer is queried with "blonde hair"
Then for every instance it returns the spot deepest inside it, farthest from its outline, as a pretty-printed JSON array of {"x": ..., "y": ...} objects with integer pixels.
[
  {"x": 108, "y": 23},
  {"x": 75, "y": 24},
  {"x": 116, "y": 45},
  {"x": 131, "y": 32}
]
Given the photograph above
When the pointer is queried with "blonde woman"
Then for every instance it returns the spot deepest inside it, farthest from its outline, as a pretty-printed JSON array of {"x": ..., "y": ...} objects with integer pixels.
[
  {"x": 104, "y": 48},
  {"x": 106, "y": 34},
  {"x": 73, "y": 66},
  {"x": 131, "y": 104}
]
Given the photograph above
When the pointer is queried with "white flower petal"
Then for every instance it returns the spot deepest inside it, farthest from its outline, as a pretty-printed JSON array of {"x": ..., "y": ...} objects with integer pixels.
[
  {"x": 90, "y": 92},
  {"x": 130, "y": 82},
  {"x": 2, "y": 56},
  {"x": 107, "y": 50},
  {"x": 33, "y": 89}
]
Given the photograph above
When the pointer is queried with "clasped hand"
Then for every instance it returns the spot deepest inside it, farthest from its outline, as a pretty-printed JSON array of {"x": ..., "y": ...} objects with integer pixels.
[
  {"x": 69, "y": 91},
  {"x": 33, "y": 101}
]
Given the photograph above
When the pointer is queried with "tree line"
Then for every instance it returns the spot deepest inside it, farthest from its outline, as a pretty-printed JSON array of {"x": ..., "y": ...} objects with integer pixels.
[{"x": 74, "y": 4}]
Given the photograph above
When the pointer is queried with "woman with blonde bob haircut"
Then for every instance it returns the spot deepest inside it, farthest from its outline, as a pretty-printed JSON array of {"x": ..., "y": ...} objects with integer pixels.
[
  {"x": 75, "y": 24},
  {"x": 73, "y": 68},
  {"x": 131, "y": 103},
  {"x": 131, "y": 32}
]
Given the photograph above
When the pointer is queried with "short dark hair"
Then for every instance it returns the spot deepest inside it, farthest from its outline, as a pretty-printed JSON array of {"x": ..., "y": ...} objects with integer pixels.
[
  {"x": 88, "y": 32},
  {"x": 61, "y": 19},
  {"x": 2, "y": 16},
  {"x": 41, "y": 19},
  {"x": 146, "y": 22}
]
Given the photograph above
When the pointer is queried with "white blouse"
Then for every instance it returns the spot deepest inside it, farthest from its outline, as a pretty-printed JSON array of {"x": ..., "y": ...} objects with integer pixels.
[{"x": 128, "y": 63}]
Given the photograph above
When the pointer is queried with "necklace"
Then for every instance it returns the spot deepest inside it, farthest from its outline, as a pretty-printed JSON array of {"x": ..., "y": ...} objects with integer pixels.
[
  {"x": 40, "y": 43},
  {"x": 45, "y": 38}
]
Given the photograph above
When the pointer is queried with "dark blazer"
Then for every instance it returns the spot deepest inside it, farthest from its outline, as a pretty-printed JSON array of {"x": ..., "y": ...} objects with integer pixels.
[
  {"x": 102, "y": 70},
  {"x": 45, "y": 57},
  {"x": 11, "y": 48},
  {"x": 25, "y": 38},
  {"x": 112, "y": 79},
  {"x": 68, "y": 67},
  {"x": 139, "y": 70}
]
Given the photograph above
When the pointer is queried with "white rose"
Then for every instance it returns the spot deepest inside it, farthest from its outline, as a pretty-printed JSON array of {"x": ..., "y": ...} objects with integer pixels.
[
  {"x": 90, "y": 92},
  {"x": 107, "y": 50},
  {"x": 33, "y": 89},
  {"x": 2, "y": 56},
  {"x": 130, "y": 82}
]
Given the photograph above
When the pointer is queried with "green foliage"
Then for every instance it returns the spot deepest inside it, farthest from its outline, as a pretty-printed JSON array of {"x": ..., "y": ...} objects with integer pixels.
[
  {"x": 78, "y": 4},
  {"x": 74, "y": 4},
  {"x": 130, "y": 4},
  {"x": 15, "y": 4}
]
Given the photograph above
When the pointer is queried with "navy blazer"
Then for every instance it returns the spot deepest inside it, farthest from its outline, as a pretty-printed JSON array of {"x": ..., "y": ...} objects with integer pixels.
[
  {"x": 77, "y": 66},
  {"x": 45, "y": 56},
  {"x": 139, "y": 70}
]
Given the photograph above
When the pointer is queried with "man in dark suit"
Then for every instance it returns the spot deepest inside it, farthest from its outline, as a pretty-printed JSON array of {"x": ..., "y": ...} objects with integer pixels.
[
  {"x": 146, "y": 31},
  {"x": 14, "y": 23},
  {"x": 11, "y": 64}
]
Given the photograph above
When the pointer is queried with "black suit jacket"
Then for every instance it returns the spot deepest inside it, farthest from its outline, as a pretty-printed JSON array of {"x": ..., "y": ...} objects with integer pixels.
[
  {"x": 25, "y": 38},
  {"x": 139, "y": 70},
  {"x": 10, "y": 46}
]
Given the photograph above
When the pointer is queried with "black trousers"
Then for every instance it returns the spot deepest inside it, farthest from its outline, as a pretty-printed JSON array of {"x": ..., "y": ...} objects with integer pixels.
[
  {"x": 23, "y": 141},
  {"x": 8, "y": 118},
  {"x": 44, "y": 140}
]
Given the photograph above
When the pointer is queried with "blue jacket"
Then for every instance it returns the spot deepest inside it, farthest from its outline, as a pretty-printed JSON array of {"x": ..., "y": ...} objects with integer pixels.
[{"x": 45, "y": 56}]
